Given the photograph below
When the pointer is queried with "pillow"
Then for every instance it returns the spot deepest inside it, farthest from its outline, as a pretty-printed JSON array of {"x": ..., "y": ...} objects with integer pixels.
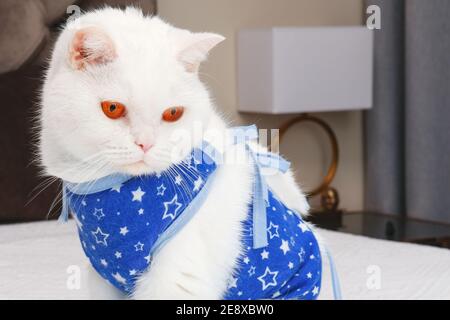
[{"x": 23, "y": 29}]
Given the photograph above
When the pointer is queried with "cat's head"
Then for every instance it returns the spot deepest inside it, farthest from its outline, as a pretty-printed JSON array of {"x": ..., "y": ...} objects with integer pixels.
[{"x": 121, "y": 94}]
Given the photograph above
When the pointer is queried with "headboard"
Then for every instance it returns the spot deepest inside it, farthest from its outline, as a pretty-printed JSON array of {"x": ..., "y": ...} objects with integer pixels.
[{"x": 24, "y": 196}]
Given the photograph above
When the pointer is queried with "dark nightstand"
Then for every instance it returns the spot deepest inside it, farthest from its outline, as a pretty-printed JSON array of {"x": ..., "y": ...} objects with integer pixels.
[{"x": 383, "y": 226}]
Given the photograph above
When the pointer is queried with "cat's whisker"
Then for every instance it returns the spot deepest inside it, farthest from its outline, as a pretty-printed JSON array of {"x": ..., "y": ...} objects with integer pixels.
[
  {"x": 48, "y": 182},
  {"x": 44, "y": 181},
  {"x": 91, "y": 181},
  {"x": 172, "y": 174},
  {"x": 190, "y": 178},
  {"x": 41, "y": 188},
  {"x": 94, "y": 165},
  {"x": 55, "y": 201}
]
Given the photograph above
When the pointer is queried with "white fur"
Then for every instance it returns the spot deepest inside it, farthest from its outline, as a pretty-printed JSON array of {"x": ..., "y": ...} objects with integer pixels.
[{"x": 154, "y": 68}]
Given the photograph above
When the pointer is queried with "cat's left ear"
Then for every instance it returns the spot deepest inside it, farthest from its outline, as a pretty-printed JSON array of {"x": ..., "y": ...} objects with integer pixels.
[{"x": 195, "y": 49}]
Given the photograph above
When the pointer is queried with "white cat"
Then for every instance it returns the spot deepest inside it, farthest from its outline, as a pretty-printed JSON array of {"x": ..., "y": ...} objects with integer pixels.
[{"x": 148, "y": 68}]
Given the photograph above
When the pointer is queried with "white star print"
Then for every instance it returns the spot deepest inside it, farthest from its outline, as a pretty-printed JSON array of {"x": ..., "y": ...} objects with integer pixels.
[
  {"x": 139, "y": 246},
  {"x": 161, "y": 189},
  {"x": 103, "y": 262},
  {"x": 124, "y": 230},
  {"x": 119, "y": 278},
  {"x": 240, "y": 293},
  {"x": 100, "y": 237},
  {"x": 169, "y": 213},
  {"x": 312, "y": 257},
  {"x": 290, "y": 265},
  {"x": 118, "y": 254},
  {"x": 284, "y": 246},
  {"x": 315, "y": 290},
  {"x": 309, "y": 275},
  {"x": 276, "y": 294},
  {"x": 232, "y": 283},
  {"x": 137, "y": 194},
  {"x": 98, "y": 213},
  {"x": 272, "y": 233},
  {"x": 178, "y": 180},
  {"x": 148, "y": 258},
  {"x": 197, "y": 184},
  {"x": 132, "y": 272},
  {"x": 303, "y": 226},
  {"x": 246, "y": 260},
  {"x": 251, "y": 271},
  {"x": 264, "y": 254},
  {"x": 116, "y": 188},
  {"x": 141, "y": 211},
  {"x": 83, "y": 203},
  {"x": 268, "y": 273}
]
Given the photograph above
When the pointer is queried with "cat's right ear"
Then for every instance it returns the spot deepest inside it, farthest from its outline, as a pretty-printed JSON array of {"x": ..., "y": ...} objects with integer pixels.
[
  {"x": 90, "y": 46},
  {"x": 195, "y": 48}
]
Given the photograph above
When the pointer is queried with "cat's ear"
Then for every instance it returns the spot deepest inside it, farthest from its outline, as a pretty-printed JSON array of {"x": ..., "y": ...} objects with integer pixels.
[
  {"x": 195, "y": 48},
  {"x": 90, "y": 46}
]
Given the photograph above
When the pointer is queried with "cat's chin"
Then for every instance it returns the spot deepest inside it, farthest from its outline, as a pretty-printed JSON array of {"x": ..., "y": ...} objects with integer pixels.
[{"x": 138, "y": 168}]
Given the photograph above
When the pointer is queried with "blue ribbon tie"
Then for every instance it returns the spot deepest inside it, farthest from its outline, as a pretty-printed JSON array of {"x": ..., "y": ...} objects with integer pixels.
[{"x": 260, "y": 188}]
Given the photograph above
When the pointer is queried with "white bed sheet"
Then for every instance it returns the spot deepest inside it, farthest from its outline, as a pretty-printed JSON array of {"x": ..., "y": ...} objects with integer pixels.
[{"x": 34, "y": 258}]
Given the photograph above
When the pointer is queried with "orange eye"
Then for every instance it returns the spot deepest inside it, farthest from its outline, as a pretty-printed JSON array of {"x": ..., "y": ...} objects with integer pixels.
[
  {"x": 112, "y": 109},
  {"x": 172, "y": 114}
]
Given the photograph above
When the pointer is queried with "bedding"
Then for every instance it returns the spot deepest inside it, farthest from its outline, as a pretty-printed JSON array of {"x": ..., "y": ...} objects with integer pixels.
[{"x": 38, "y": 259}]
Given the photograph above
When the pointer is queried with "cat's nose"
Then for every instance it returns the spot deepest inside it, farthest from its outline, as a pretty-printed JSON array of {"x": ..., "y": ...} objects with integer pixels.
[{"x": 144, "y": 146}]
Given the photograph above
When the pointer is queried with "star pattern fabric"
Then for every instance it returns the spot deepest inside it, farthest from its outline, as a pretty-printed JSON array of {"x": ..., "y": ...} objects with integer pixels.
[
  {"x": 289, "y": 267},
  {"x": 118, "y": 227}
]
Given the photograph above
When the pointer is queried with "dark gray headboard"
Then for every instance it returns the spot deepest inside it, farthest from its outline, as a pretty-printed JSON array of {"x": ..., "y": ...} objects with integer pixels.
[{"x": 19, "y": 95}]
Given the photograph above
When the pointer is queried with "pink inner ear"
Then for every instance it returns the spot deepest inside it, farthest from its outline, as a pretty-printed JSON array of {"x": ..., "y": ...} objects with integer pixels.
[{"x": 91, "y": 46}]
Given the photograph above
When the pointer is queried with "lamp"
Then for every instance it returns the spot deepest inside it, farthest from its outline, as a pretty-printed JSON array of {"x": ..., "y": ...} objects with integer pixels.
[{"x": 291, "y": 70}]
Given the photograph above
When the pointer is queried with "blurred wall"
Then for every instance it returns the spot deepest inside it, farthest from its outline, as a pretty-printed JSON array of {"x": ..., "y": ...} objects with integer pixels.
[{"x": 305, "y": 145}]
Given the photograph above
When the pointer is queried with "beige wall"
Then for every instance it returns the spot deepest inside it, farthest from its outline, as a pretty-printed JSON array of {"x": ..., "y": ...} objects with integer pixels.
[{"x": 305, "y": 146}]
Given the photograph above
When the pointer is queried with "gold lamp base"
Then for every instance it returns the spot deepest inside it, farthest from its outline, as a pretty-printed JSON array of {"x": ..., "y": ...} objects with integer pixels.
[{"x": 329, "y": 196}]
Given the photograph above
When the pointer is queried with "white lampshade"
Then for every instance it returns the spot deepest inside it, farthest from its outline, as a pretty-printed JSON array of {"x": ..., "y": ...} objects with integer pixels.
[{"x": 305, "y": 69}]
